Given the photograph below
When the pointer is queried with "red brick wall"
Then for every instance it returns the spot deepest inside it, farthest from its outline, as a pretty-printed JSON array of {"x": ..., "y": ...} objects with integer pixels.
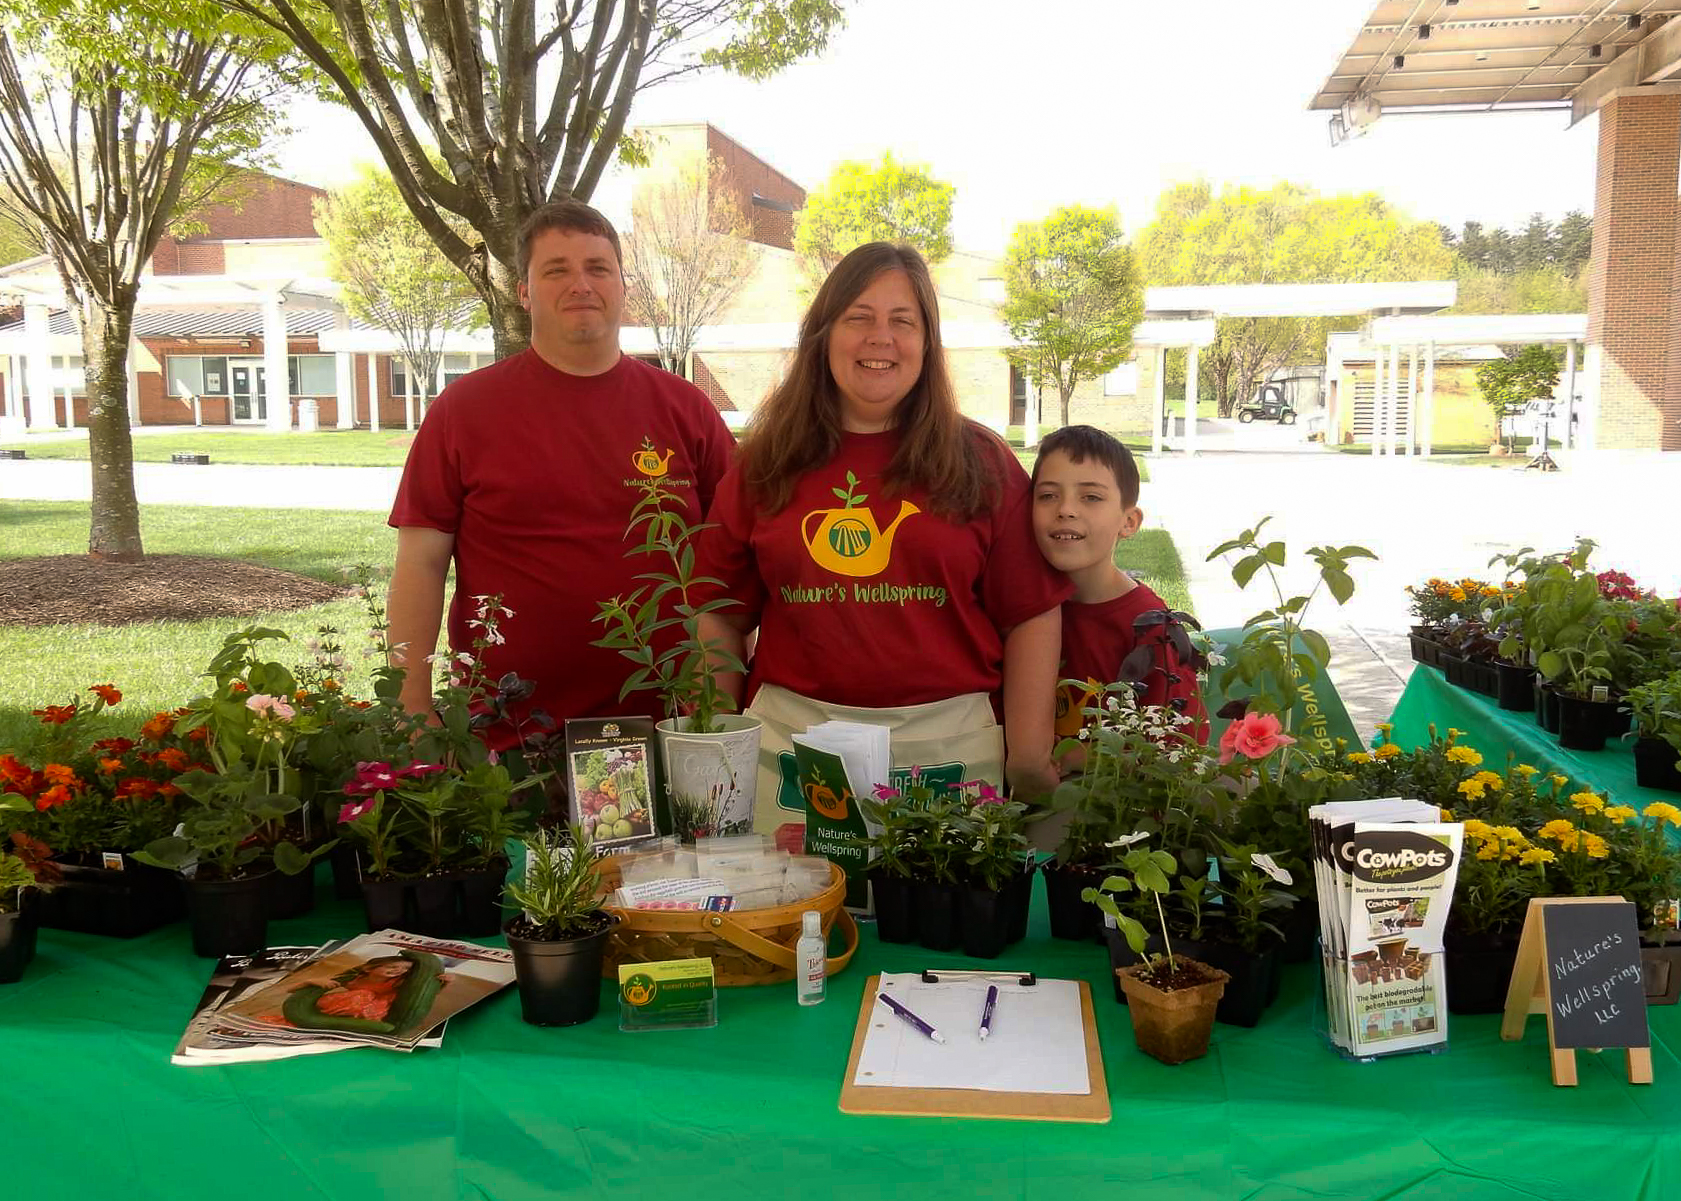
[
  {"x": 262, "y": 206},
  {"x": 1635, "y": 274},
  {"x": 708, "y": 383},
  {"x": 745, "y": 174}
]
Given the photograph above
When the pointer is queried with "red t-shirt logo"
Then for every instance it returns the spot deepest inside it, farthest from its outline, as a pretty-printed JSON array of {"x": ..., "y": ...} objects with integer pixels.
[{"x": 846, "y": 540}]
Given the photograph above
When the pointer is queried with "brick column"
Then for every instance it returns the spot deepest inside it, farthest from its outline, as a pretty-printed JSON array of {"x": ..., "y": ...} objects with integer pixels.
[{"x": 1634, "y": 339}]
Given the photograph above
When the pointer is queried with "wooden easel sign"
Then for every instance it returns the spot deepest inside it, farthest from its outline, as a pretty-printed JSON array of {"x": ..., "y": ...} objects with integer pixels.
[{"x": 1579, "y": 963}]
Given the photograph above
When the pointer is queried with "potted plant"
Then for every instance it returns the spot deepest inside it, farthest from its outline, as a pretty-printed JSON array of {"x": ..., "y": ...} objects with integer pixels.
[
  {"x": 1432, "y": 607},
  {"x": 895, "y": 849},
  {"x": 657, "y": 628},
  {"x": 996, "y": 883},
  {"x": 1172, "y": 998},
  {"x": 1243, "y": 940},
  {"x": 560, "y": 934},
  {"x": 95, "y": 798},
  {"x": 1498, "y": 874},
  {"x": 25, "y": 871},
  {"x": 1656, "y": 707}
]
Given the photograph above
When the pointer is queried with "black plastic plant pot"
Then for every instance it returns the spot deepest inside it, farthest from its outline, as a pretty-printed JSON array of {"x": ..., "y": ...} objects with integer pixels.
[
  {"x": 1583, "y": 725},
  {"x": 1479, "y": 971},
  {"x": 1072, "y": 918},
  {"x": 1021, "y": 902},
  {"x": 17, "y": 940},
  {"x": 936, "y": 916},
  {"x": 1546, "y": 706},
  {"x": 559, "y": 981},
  {"x": 481, "y": 901},
  {"x": 383, "y": 904},
  {"x": 1654, "y": 765},
  {"x": 435, "y": 906},
  {"x": 1515, "y": 688},
  {"x": 895, "y": 908},
  {"x": 1301, "y": 931},
  {"x": 115, "y": 903},
  {"x": 291, "y": 896},
  {"x": 986, "y": 920},
  {"x": 1253, "y": 982},
  {"x": 347, "y": 872},
  {"x": 228, "y": 917}
]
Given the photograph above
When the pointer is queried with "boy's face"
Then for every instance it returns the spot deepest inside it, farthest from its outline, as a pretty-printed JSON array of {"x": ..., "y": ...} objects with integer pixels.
[{"x": 1079, "y": 514}]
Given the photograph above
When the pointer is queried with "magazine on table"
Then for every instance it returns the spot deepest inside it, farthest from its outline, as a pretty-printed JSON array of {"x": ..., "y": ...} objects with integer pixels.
[{"x": 377, "y": 990}]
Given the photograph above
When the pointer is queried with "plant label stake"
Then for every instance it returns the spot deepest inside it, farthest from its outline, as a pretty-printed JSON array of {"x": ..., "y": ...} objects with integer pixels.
[{"x": 1579, "y": 963}]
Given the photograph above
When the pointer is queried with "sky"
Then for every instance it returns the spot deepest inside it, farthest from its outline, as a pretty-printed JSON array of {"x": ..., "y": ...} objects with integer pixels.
[{"x": 1098, "y": 102}]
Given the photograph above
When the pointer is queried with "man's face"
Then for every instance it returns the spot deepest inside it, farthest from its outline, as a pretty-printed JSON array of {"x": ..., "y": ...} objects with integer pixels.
[{"x": 573, "y": 289}]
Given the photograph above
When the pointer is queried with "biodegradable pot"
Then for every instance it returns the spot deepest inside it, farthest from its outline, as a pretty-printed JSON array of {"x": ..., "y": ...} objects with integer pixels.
[
  {"x": 985, "y": 920},
  {"x": 1654, "y": 765},
  {"x": 725, "y": 765},
  {"x": 1121, "y": 955},
  {"x": 895, "y": 908},
  {"x": 1584, "y": 725},
  {"x": 291, "y": 896},
  {"x": 228, "y": 917},
  {"x": 1071, "y": 917},
  {"x": 118, "y": 903},
  {"x": 1546, "y": 705},
  {"x": 17, "y": 938},
  {"x": 1479, "y": 971},
  {"x": 936, "y": 916},
  {"x": 1514, "y": 688},
  {"x": 1173, "y": 1026},
  {"x": 559, "y": 980},
  {"x": 1660, "y": 973}
]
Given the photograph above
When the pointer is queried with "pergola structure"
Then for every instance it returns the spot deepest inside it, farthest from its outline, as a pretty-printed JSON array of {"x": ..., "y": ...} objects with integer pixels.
[
  {"x": 1619, "y": 59},
  {"x": 1186, "y": 317}
]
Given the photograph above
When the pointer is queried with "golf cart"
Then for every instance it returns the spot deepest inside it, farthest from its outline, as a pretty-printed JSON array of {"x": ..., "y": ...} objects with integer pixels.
[{"x": 1268, "y": 404}]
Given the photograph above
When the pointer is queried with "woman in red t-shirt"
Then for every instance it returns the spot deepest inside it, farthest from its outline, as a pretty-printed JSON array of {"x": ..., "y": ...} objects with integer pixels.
[{"x": 881, "y": 544}]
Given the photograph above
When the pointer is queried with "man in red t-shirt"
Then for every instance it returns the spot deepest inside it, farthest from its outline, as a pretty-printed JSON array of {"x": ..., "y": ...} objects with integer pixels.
[
  {"x": 525, "y": 473},
  {"x": 1085, "y": 500}
]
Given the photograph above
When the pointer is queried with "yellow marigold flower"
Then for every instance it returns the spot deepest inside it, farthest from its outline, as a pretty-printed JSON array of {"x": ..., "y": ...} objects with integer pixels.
[
  {"x": 1588, "y": 802},
  {"x": 1447, "y": 815},
  {"x": 1490, "y": 590},
  {"x": 1558, "y": 780},
  {"x": 1489, "y": 850},
  {"x": 1663, "y": 811},
  {"x": 1463, "y": 754},
  {"x": 1475, "y": 827},
  {"x": 1386, "y": 728},
  {"x": 1620, "y": 813},
  {"x": 1387, "y": 751},
  {"x": 1490, "y": 780},
  {"x": 1556, "y": 829},
  {"x": 1594, "y": 845},
  {"x": 1536, "y": 855},
  {"x": 1570, "y": 841},
  {"x": 1471, "y": 790},
  {"x": 1458, "y": 594},
  {"x": 1525, "y": 770},
  {"x": 1509, "y": 834},
  {"x": 1359, "y": 757}
]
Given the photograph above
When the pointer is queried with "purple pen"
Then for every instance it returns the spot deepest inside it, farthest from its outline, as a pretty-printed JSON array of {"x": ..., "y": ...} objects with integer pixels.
[
  {"x": 986, "y": 1013},
  {"x": 910, "y": 1017}
]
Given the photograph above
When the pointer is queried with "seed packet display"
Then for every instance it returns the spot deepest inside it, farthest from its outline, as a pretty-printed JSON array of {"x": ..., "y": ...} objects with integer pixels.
[{"x": 610, "y": 779}]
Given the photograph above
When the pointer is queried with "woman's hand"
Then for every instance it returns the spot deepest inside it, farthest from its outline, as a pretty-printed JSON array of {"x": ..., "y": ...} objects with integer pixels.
[{"x": 1031, "y": 779}]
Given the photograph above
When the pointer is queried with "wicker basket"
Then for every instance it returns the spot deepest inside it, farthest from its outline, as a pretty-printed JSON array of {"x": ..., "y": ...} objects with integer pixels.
[{"x": 746, "y": 946}]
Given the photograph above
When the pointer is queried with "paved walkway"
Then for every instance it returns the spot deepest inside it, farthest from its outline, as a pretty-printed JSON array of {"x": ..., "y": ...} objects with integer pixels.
[{"x": 1421, "y": 518}]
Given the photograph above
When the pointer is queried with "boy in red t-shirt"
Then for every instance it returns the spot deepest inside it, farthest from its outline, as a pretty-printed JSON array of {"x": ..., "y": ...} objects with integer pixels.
[{"x": 1085, "y": 500}]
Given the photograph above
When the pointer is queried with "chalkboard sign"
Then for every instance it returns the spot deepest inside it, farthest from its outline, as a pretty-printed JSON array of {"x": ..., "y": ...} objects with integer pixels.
[{"x": 1593, "y": 975}]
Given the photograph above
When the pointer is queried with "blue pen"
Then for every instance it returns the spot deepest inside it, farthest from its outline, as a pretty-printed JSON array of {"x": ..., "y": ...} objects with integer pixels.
[
  {"x": 986, "y": 1014},
  {"x": 910, "y": 1017}
]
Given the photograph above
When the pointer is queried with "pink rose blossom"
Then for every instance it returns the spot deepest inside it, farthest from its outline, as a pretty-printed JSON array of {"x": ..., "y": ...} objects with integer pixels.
[{"x": 1254, "y": 736}]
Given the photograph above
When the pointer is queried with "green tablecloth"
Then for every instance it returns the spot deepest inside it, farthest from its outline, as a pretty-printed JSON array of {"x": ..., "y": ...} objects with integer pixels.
[
  {"x": 1497, "y": 732},
  {"x": 748, "y": 1110}
]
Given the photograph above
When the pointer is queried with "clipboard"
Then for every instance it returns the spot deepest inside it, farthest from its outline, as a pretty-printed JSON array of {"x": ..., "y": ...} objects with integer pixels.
[{"x": 977, "y": 1103}]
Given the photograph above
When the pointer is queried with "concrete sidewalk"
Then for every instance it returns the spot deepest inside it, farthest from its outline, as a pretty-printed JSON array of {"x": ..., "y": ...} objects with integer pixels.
[{"x": 224, "y": 484}]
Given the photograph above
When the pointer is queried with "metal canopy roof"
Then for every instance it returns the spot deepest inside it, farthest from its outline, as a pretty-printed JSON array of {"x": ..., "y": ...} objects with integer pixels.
[
  {"x": 1485, "y": 55},
  {"x": 1298, "y": 300}
]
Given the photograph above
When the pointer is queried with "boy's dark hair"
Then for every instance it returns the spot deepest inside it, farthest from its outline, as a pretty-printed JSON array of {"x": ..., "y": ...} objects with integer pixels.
[
  {"x": 573, "y": 216},
  {"x": 1082, "y": 442}
]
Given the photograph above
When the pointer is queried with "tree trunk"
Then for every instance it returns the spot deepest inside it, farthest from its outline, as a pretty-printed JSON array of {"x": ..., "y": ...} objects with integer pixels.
[
  {"x": 510, "y": 324},
  {"x": 1066, "y": 392},
  {"x": 114, "y": 529}
]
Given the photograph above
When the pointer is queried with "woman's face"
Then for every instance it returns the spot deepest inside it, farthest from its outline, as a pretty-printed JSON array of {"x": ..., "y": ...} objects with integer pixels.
[
  {"x": 875, "y": 352},
  {"x": 390, "y": 971}
]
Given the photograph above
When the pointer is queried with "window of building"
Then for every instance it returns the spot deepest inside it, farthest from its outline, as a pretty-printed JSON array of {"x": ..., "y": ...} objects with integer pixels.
[
  {"x": 456, "y": 366},
  {"x": 653, "y": 360},
  {"x": 195, "y": 375},
  {"x": 311, "y": 375}
]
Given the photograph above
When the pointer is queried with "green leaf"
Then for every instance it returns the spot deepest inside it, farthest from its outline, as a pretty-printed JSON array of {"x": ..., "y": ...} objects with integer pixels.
[
  {"x": 1245, "y": 568},
  {"x": 1316, "y": 646},
  {"x": 1340, "y": 584},
  {"x": 1273, "y": 552}
]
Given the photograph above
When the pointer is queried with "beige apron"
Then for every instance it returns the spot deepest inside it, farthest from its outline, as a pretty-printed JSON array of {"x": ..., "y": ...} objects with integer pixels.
[{"x": 951, "y": 741}]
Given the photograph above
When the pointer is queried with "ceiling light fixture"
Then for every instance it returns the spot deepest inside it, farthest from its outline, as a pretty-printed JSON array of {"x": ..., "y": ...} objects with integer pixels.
[
  {"x": 1595, "y": 50},
  {"x": 1424, "y": 33},
  {"x": 1400, "y": 61}
]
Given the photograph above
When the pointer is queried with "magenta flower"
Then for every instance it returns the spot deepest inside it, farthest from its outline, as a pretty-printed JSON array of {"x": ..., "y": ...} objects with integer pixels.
[
  {"x": 418, "y": 771},
  {"x": 356, "y": 809},
  {"x": 886, "y": 793},
  {"x": 370, "y": 778}
]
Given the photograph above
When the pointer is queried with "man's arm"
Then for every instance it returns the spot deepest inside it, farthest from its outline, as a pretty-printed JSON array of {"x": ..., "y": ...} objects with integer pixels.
[
  {"x": 1031, "y": 652},
  {"x": 415, "y": 608}
]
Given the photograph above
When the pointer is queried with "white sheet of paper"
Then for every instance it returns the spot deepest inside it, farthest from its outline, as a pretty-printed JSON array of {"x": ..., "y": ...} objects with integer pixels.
[{"x": 1037, "y": 1043}]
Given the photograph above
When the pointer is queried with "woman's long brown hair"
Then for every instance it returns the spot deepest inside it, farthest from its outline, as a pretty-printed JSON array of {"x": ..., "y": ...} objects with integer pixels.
[{"x": 798, "y": 427}]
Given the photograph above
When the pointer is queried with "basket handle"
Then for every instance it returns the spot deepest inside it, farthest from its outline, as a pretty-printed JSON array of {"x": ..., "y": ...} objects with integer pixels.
[{"x": 774, "y": 952}]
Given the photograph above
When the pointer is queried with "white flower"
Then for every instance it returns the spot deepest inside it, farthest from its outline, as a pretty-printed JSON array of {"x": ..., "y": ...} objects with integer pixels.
[
  {"x": 465, "y": 659},
  {"x": 1265, "y": 863},
  {"x": 1126, "y": 840},
  {"x": 1217, "y": 660}
]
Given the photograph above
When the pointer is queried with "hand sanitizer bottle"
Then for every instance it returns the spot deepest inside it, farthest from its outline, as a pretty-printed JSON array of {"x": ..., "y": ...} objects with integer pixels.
[{"x": 811, "y": 959}]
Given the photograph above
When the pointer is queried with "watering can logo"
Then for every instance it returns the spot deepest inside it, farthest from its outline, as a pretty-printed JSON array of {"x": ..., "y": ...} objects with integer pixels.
[
  {"x": 647, "y": 460},
  {"x": 824, "y": 800},
  {"x": 640, "y": 989},
  {"x": 846, "y": 539}
]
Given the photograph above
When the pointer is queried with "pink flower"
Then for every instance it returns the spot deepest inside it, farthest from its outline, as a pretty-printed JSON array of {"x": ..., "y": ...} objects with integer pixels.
[
  {"x": 370, "y": 778},
  {"x": 355, "y": 809},
  {"x": 886, "y": 793},
  {"x": 986, "y": 794},
  {"x": 270, "y": 706},
  {"x": 1254, "y": 736},
  {"x": 916, "y": 772},
  {"x": 417, "y": 771}
]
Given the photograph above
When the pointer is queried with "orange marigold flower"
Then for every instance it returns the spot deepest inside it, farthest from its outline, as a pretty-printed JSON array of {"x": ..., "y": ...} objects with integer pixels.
[
  {"x": 240, "y": 686},
  {"x": 110, "y": 766},
  {"x": 158, "y": 728},
  {"x": 173, "y": 757},
  {"x": 107, "y": 693},
  {"x": 117, "y": 746},
  {"x": 329, "y": 685},
  {"x": 55, "y": 715},
  {"x": 168, "y": 790},
  {"x": 14, "y": 772},
  {"x": 62, "y": 774},
  {"x": 58, "y": 794},
  {"x": 135, "y": 786},
  {"x": 199, "y": 734}
]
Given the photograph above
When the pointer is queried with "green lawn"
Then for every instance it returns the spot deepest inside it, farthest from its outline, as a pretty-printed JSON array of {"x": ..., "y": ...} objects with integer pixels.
[
  {"x": 1025, "y": 457},
  {"x": 1152, "y": 554},
  {"x": 156, "y": 664},
  {"x": 327, "y": 448},
  {"x": 1472, "y": 450}
]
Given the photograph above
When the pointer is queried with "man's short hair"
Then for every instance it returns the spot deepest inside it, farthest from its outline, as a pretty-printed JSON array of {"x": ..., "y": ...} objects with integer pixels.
[
  {"x": 573, "y": 216},
  {"x": 1082, "y": 442}
]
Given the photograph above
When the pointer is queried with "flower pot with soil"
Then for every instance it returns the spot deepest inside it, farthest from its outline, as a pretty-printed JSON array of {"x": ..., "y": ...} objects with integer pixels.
[
  {"x": 1657, "y": 765},
  {"x": 1584, "y": 724},
  {"x": 1655, "y": 706},
  {"x": 1479, "y": 971},
  {"x": 1515, "y": 686},
  {"x": 1173, "y": 1003},
  {"x": 559, "y": 937}
]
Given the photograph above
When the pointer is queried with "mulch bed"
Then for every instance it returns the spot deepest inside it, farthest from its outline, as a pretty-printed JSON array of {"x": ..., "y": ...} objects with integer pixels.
[{"x": 76, "y": 590}]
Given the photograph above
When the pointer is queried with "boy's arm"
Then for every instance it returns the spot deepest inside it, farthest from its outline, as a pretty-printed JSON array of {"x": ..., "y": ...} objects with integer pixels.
[{"x": 1031, "y": 652}]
